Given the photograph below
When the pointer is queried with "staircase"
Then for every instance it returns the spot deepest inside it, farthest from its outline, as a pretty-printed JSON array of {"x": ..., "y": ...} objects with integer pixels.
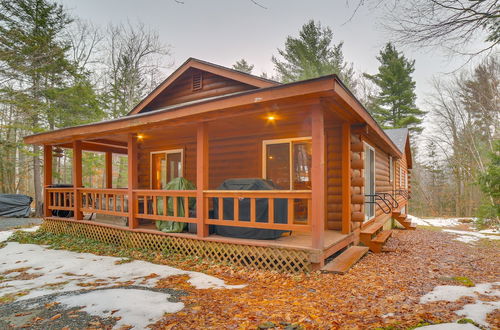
[
  {"x": 403, "y": 220},
  {"x": 374, "y": 236},
  {"x": 344, "y": 261}
]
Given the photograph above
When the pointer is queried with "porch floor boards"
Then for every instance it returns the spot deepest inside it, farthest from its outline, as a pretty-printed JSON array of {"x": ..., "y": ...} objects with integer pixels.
[{"x": 297, "y": 240}]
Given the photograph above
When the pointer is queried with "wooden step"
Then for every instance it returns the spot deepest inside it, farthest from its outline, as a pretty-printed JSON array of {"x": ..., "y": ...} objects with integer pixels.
[
  {"x": 344, "y": 261},
  {"x": 367, "y": 232},
  {"x": 378, "y": 242},
  {"x": 412, "y": 226}
]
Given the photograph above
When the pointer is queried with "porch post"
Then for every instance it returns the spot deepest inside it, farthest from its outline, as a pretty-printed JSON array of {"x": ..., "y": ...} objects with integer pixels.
[
  {"x": 346, "y": 178},
  {"x": 77, "y": 178},
  {"x": 47, "y": 178},
  {"x": 132, "y": 179},
  {"x": 109, "y": 170},
  {"x": 201, "y": 177},
  {"x": 318, "y": 177}
]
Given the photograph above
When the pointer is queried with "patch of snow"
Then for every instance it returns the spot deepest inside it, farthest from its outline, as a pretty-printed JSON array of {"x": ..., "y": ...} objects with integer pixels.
[
  {"x": 4, "y": 235},
  {"x": 479, "y": 310},
  {"x": 62, "y": 271},
  {"x": 490, "y": 231},
  {"x": 136, "y": 307},
  {"x": 450, "y": 326},
  {"x": 436, "y": 222},
  {"x": 470, "y": 236},
  {"x": 476, "y": 311}
]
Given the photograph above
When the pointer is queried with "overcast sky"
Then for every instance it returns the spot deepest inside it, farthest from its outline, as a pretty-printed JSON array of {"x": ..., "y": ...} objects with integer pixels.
[{"x": 223, "y": 31}]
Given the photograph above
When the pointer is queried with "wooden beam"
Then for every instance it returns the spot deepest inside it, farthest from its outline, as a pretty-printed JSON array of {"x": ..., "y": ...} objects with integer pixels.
[
  {"x": 109, "y": 170},
  {"x": 132, "y": 180},
  {"x": 313, "y": 88},
  {"x": 96, "y": 147},
  {"x": 77, "y": 178},
  {"x": 107, "y": 142},
  {"x": 346, "y": 178},
  {"x": 201, "y": 177},
  {"x": 47, "y": 177},
  {"x": 318, "y": 178}
]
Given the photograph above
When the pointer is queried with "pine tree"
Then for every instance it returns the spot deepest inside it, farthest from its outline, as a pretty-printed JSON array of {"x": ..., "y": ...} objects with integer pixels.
[
  {"x": 394, "y": 105},
  {"x": 34, "y": 60},
  {"x": 312, "y": 55},
  {"x": 243, "y": 66}
]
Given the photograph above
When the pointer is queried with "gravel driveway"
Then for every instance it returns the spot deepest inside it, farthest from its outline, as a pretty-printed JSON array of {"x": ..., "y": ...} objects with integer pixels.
[{"x": 9, "y": 223}]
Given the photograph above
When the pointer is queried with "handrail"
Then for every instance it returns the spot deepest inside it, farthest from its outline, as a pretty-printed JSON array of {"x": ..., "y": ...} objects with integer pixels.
[
  {"x": 374, "y": 198},
  {"x": 402, "y": 192},
  {"x": 394, "y": 202}
]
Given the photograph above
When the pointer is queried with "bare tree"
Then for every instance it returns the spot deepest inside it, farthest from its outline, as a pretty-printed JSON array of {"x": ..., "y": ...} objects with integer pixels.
[
  {"x": 134, "y": 59},
  {"x": 452, "y": 24}
]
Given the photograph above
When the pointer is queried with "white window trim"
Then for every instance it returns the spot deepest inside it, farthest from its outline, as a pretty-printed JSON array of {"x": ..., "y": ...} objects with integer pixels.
[
  {"x": 374, "y": 179},
  {"x": 166, "y": 152},
  {"x": 265, "y": 143}
]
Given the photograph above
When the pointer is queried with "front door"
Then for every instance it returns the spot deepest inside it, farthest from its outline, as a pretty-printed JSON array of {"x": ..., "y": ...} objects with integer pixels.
[{"x": 165, "y": 166}]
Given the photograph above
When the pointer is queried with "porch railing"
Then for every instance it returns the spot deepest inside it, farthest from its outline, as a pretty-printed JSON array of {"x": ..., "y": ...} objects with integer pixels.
[
  {"x": 269, "y": 209},
  {"x": 165, "y": 205},
  {"x": 104, "y": 201},
  {"x": 60, "y": 199}
]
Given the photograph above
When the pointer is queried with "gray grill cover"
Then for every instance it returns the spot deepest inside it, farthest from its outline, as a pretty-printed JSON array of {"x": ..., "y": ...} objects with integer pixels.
[{"x": 261, "y": 212}]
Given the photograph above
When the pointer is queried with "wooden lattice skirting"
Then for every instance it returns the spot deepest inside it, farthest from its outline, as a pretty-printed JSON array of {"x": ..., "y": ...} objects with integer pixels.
[{"x": 267, "y": 258}]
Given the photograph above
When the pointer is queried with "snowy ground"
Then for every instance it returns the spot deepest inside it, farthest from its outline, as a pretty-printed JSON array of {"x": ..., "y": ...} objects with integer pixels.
[
  {"x": 30, "y": 271},
  {"x": 449, "y": 225},
  {"x": 486, "y": 296}
]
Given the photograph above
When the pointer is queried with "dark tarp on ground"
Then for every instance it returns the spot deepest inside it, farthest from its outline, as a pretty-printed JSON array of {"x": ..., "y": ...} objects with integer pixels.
[
  {"x": 261, "y": 210},
  {"x": 14, "y": 205}
]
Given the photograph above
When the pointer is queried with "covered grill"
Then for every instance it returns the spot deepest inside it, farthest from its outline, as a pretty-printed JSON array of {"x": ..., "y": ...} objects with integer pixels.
[{"x": 261, "y": 210}]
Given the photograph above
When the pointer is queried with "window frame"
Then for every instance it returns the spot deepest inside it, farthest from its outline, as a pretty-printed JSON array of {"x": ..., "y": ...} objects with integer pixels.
[
  {"x": 166, "y": 152},
  {"x": 391, "y": 169},
  {"x": 290, "y": 141},
  {"x": 374, "y": 179}
]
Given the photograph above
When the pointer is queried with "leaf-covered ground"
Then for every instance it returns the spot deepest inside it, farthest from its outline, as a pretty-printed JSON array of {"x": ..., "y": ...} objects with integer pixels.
[{"x": 383, "y": 290}]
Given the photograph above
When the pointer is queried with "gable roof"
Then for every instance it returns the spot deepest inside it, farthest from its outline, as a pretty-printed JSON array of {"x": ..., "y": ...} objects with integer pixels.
[
  {"x": 401, "y": 138},
  {"x": 216, "y": 69},
  {"x": 398, "y": 136}
]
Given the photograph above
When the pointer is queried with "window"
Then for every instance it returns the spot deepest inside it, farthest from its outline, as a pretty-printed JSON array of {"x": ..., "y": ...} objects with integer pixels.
[
  {"x": 166, "y": 166},
  {"x": 369, "y": 173},
  {"x": 391, "y": 170},
  {"x": 400, "y": 177},
  {"x": 287, "y": 163}
]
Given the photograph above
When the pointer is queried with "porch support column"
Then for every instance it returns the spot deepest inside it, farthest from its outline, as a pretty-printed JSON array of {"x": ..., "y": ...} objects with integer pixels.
[
  {"x": 47, "y": 178},
  {"x": 201, "y": 177},
  {"x": 318, "y": 177},
  {"x": 346, "y": 178},
  {"x": 77, "y": 178},
  {"x": 132, "y": 180},
  {"x": 109, "y": 170}
]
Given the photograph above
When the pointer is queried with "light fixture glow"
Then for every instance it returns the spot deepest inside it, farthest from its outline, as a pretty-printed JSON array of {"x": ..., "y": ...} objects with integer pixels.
[
  {"x": 140, "y": 137},
  {"x": 271, "y": 118}
]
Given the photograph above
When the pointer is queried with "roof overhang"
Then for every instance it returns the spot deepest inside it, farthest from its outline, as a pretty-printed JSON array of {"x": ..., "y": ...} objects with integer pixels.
[{"x": 327, "y": 87}]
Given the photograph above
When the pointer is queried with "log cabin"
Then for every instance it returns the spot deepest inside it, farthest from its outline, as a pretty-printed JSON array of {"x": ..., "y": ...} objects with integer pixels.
[{"x": 339, "y": 182}]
